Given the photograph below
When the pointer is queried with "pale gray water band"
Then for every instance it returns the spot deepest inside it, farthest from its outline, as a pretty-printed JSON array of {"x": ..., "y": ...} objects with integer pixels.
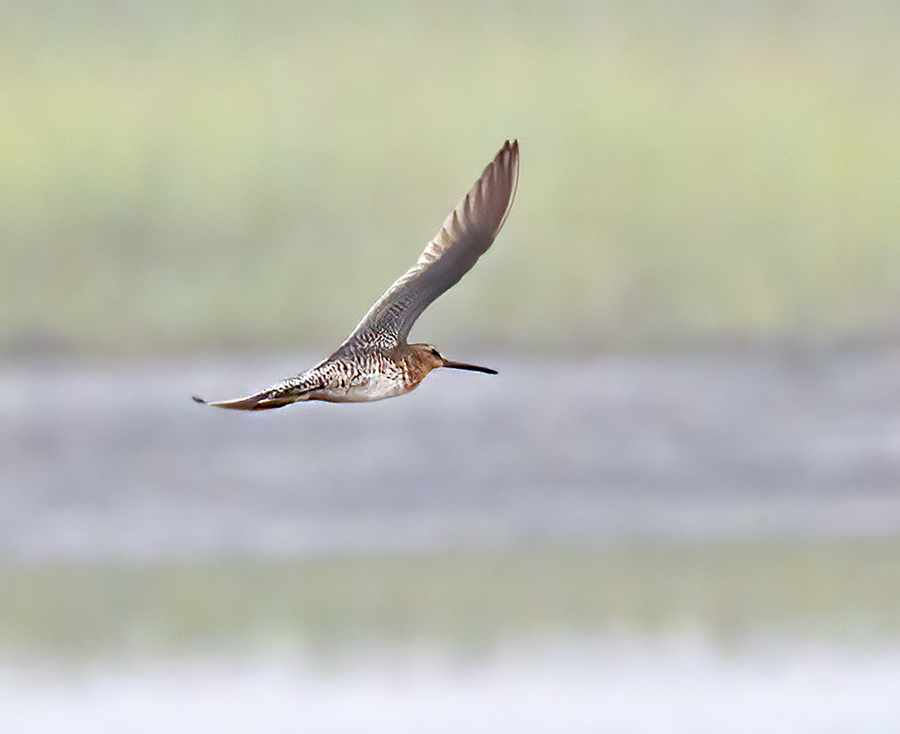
[{"x": 107, "y": 461}]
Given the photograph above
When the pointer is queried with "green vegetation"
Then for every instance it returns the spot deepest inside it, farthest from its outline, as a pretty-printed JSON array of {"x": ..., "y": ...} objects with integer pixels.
[
  {"x": 178, "y": 176},
  {"x": 844, "y": 589}
]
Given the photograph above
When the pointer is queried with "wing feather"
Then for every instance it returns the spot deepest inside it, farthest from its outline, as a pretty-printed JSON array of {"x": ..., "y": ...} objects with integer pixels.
[{"x": 466, "y": 234}]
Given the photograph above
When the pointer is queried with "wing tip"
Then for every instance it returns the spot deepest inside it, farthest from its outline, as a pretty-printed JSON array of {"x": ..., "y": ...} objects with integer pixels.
[
  {"x": 510, "y": 149},
  {"x": 507, "y": 160}
]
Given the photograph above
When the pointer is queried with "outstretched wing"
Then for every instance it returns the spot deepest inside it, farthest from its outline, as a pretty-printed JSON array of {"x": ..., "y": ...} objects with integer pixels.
[{"x": 466, "y": 234}]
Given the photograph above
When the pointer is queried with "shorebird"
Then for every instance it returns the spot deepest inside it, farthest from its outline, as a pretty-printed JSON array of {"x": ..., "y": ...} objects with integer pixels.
[{"x": 375, "y": 361}]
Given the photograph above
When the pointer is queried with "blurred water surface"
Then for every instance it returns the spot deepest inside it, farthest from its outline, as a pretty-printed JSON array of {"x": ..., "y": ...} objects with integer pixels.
[
  {"x": 545, "y": 550},
  {"x": 107, "y": 461},
  {"x": 670, "y": 687}
]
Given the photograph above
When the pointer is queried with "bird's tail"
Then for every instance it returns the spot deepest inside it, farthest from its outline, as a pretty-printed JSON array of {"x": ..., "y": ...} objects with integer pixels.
[{"x": 260, "y": 401}]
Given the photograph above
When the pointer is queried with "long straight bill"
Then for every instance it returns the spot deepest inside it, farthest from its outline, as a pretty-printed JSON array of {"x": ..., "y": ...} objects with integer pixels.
[{"x": 464, "y": 366}]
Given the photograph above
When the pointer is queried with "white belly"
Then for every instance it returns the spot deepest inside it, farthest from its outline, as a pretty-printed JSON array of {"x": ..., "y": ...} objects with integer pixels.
[{"x": 376, "y": 387}]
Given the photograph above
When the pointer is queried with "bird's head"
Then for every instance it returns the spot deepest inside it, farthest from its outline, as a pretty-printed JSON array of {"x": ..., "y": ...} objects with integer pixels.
[{"x": 432, "y": 358}]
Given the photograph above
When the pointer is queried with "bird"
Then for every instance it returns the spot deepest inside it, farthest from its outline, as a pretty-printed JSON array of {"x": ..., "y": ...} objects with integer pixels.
[{"x": 376, "y": 362}]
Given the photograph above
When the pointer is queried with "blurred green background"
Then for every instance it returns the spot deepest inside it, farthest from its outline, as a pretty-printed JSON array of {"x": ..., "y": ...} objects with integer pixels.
[
  {"x": 183, "y": 176},
  {"x": 839, "y": 591}
]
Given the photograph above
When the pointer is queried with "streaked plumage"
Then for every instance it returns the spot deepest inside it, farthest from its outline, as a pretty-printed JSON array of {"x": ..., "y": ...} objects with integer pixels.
[{"x": 375, "y": 361}]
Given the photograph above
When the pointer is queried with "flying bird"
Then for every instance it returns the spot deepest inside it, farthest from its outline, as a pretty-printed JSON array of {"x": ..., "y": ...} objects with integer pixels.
[{"x": 375, "y": 361}]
